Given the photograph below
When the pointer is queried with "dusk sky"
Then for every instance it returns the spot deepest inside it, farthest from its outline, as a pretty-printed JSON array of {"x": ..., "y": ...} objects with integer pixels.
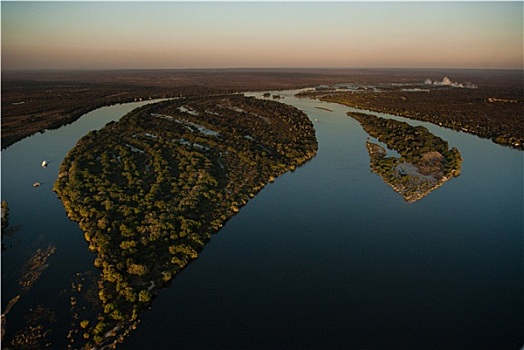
[{"x": 122, "y": 35}]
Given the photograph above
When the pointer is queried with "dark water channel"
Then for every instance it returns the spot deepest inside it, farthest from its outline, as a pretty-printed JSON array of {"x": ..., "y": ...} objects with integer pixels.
[{"x": 326, "y": 257}]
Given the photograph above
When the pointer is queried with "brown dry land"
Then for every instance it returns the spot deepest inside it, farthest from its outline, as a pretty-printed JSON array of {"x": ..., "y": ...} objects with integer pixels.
[{"x": 33, "y": 101}]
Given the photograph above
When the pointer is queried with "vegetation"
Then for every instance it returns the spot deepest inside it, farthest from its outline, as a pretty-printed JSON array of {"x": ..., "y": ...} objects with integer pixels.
[
  {"x": 38, "y": 322},
  {"x": 425, "y": 161},
  {"x": 38, "y": 100},
  {"x": 35, "y": 266},
  {"x": 5, "y": 216},
  {"x": 37, "y": 332},
  {"x": 489, "y": 112},
  {"x": 33, "y": 101},
  {"x": 150, "y": 190},
  {"x": 35, "y": 106}
]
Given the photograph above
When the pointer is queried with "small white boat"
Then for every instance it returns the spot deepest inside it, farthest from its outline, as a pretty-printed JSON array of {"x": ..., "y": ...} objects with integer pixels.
[
  {"x": 36, "y": 184},
  {"x": 44, "y": 163}
]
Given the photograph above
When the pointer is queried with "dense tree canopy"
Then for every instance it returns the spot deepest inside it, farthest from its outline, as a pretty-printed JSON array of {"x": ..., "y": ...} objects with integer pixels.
[
  {"x": 424, "y": 163},
  {"x": 149, "y": 190}
]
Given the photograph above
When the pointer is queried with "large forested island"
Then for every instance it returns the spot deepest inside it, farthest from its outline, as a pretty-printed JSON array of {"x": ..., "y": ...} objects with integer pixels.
[
  {"x": 149, "y": 190},
  {"x": 424, "y": 161}
]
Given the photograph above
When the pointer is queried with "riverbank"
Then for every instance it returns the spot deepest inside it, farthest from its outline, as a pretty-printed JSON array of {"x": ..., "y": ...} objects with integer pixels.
[
  {"x": 38, "y": 100},
  {"x": 488, "y": 111}
]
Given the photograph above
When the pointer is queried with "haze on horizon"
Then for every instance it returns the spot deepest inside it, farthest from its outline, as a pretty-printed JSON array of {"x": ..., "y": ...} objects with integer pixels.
[{"x": 170, "y": 35}]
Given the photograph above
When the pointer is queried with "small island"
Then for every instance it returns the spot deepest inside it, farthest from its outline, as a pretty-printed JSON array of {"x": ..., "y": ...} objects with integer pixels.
[
  {"x": 490, "y": 110},
  {"x": 425, "y": 162},
  {"x": 148, "y": 191}
]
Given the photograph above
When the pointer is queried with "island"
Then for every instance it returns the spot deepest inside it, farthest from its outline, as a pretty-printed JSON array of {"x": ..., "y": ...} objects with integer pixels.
[
  {"x": 489, "y": 110},
  {"x": 150, "y": 190},
  {"x": 424, "y": 161}
]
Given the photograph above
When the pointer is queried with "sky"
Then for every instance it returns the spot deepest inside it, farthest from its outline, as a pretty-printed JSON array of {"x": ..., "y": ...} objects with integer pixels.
[{"x": 170, "y": 35}]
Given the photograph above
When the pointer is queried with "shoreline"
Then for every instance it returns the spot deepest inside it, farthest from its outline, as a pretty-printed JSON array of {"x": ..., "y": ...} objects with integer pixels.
[{"x": 55, "y": 98}]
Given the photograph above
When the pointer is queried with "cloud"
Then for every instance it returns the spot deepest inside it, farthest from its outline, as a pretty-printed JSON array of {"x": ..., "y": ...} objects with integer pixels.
[{"x": 447, "y": 82}]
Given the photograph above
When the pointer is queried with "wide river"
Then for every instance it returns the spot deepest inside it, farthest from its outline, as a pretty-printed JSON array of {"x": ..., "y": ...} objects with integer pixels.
[{"x": 326, "y": 257}]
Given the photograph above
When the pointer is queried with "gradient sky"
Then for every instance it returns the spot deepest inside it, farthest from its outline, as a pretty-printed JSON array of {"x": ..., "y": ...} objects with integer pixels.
[{"x": 121, "y": 35}]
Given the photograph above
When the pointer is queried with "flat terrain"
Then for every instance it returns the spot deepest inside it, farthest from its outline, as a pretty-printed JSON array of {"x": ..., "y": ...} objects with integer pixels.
[
  {"x": 33, "y": 101},
  {"x": 490, "y": 110}
]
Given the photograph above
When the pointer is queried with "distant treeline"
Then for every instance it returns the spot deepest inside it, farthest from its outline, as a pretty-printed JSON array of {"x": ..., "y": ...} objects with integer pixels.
[{"x": 495, "y": 113}]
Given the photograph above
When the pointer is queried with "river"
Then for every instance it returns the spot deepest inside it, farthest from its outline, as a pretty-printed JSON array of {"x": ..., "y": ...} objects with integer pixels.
[{"x": 326, "y": 257}]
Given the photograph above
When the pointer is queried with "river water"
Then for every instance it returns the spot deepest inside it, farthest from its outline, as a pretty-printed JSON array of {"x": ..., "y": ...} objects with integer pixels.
[{"x": 326, "y": 257}]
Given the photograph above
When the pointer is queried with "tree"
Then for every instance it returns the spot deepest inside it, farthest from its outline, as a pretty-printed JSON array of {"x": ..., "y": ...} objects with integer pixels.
[
  {"x": 144, "y": 296},
  {"x": 137, "y": 269}
]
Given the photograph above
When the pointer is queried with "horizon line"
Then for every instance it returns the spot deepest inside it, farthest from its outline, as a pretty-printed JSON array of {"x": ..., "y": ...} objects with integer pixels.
[{"x": 247, "y": 68}]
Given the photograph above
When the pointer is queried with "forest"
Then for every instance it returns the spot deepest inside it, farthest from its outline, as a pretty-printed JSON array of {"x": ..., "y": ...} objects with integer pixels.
[
  {"x": 425, "y": 161},
  {"x": 493, "y": 112},
  {"x": 150, "y": 190}
]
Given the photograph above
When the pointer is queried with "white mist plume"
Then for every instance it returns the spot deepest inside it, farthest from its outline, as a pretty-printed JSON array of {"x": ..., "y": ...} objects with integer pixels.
[{"x": 447, "y": 82}]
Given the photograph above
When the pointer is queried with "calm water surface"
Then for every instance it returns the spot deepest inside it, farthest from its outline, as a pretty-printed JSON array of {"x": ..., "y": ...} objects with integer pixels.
[
  {"x": 39, "y": 219},
  {"x": 326, "y": 257}
]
